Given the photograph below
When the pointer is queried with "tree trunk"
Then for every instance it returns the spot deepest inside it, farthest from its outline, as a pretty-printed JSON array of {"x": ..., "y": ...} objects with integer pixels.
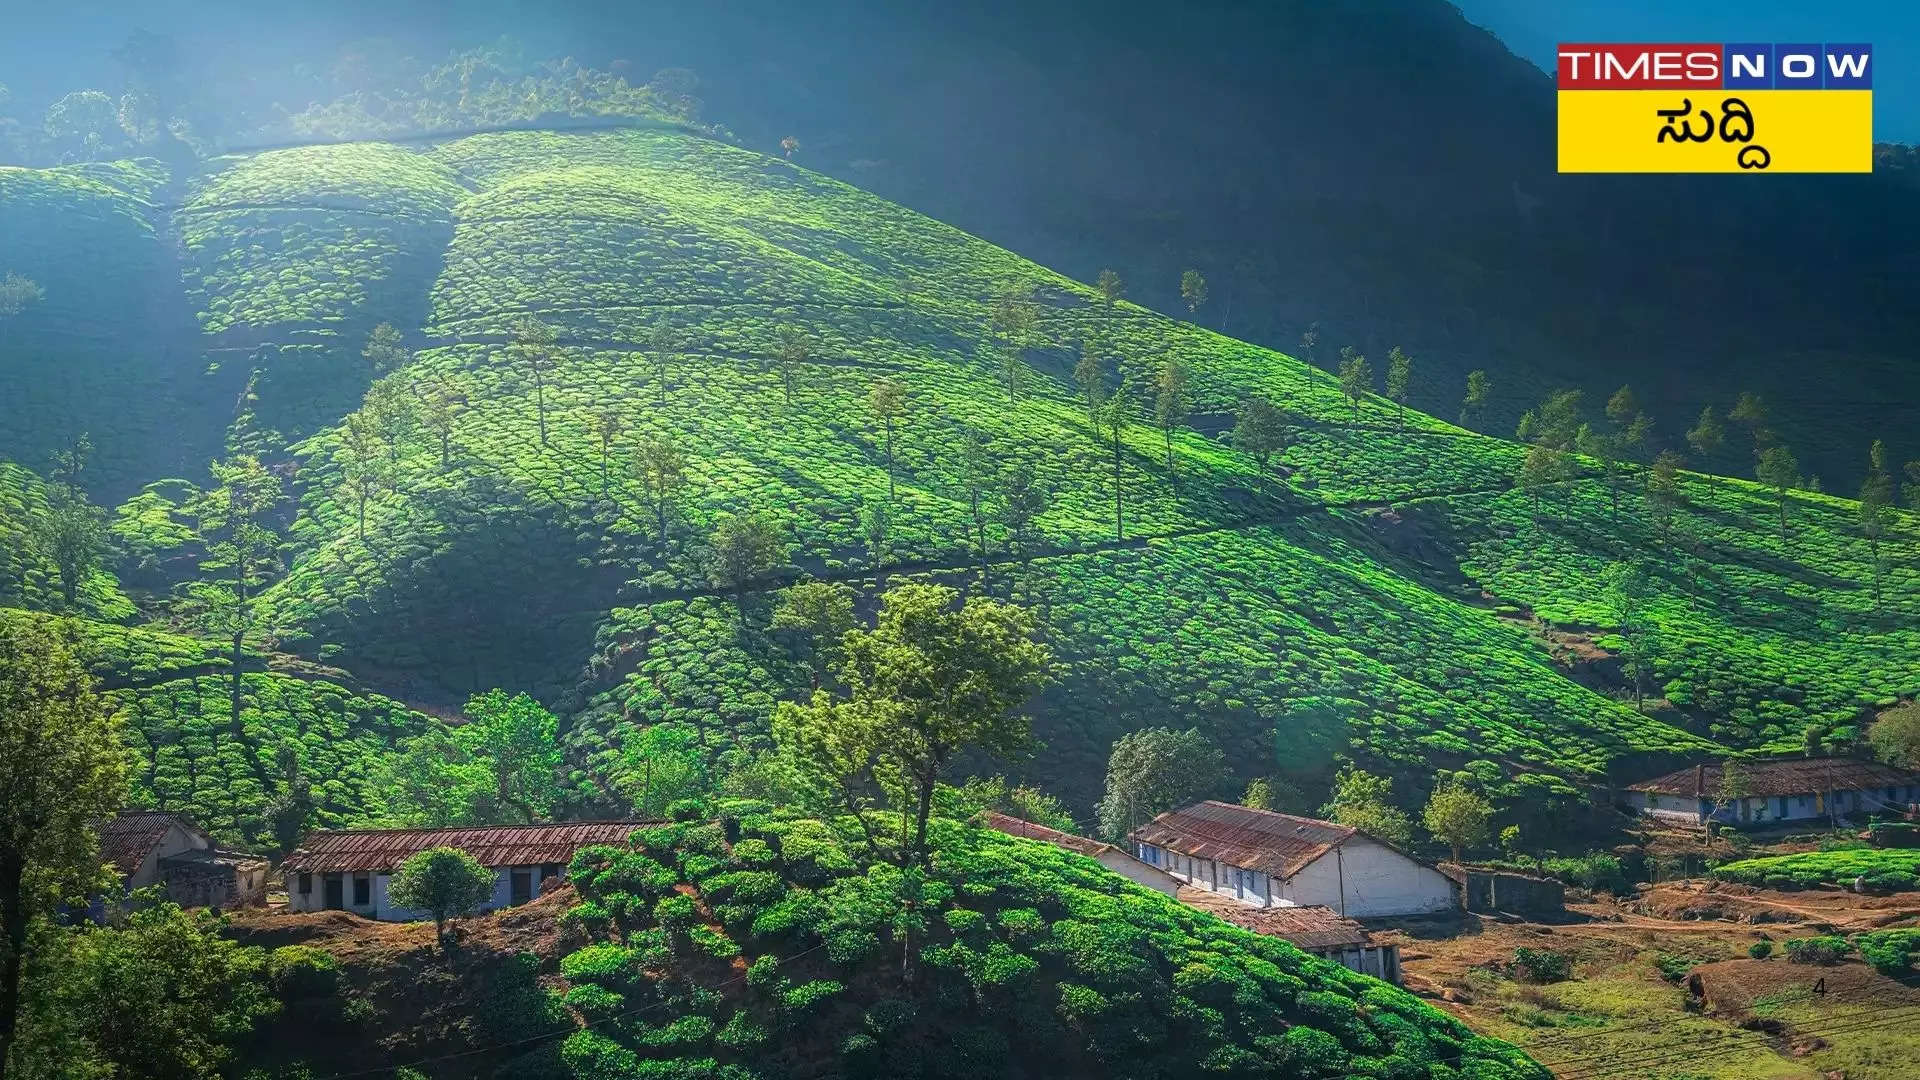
[
  {"x": 922, "y": 813},
  {"x": 1119, "y": 523},
  {"x": 660, "y": 508},
  {"x": 13, "y": 911},
  {"x": 889, "y": 459},
  {"x": 234, "y": 682}
]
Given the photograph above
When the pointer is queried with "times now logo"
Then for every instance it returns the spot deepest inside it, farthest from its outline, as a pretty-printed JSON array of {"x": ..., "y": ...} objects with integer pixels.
[{"x": 1716, "y": 67}]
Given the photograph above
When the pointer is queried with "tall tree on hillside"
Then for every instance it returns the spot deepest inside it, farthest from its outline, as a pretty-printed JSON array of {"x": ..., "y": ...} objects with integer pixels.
[
  {"x": 1111, "y": 289},
  {"x": 1751, "y": 412},
  {"x": 386, "y": 350},
  {"x": 1779, "y": 470},
  {"x": 663, "y": 341},
  {"x": 1474, "y": 404},
  {"x": 69, "y": 464},
  {"x": 876, "y": 527},
  {"x": 795, "y": 347},
  {"x": 662, "y": 471},
  {"x": 607, "y": 424},
  {"x": 1910, "y": 490},
  {"x": 1260, "y": 431},
  {"x": 1154, "y": 770},
  {"x": 62, "y": 766},
  {"x": 976, "y": 473},
  {"x": 1356, "y": 377},
  {"x": 1117, "y": 414},
  {"x": 445, "y": 882},
  {"x": 1543, "y": 467},
  {"x": 1554, "y": 429},
  {"x": 533, "y": 343},
  {"x": 1087, "y": 374},
  {"x": 1458, "y": 816},
  {"x": 935, "y": 677},
  {"x": 1630, "y": 425},
  {"x": 1663, "y": 493},
  {"x": 501, "y": 763},
  {"x": 1193, "y": 291},
  {"x": 393, "y": 415},
  {"x": 1707, "y": 435},
  {"x": 888, "y": 403},
  {"x": 72, "y": 535},
  {"x": 1170, "y": 403},
  {"x": 1022, "y": 500},
  {"x": 1310, "y": 342},
  {"x": 1876, "y": 508},
  {"x": 364, "y": 475},
  {"x": 1399, "y": 379},
  {"x": 1013, "y": 316},
  {"x": 439, "y": 408},
  {"x": 235, "y": 526},
  {"x": 789, "y": 145},
  {"x": 745, "y": 547},
  {"x": 1624, "y": 590}
]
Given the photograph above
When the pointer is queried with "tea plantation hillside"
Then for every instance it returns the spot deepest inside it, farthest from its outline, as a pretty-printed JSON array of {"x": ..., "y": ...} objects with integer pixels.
[{"x": 881, "y": 389}]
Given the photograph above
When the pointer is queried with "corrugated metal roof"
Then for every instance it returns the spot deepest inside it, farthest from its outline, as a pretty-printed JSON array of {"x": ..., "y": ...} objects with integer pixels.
[
  {"x": 1793, "y": 776},
  {"x": 359, "y": 850},
  {"x": 1311, "y": 927},
  {"x": 1273, "y": 843},
  {"x": 127, "y": 838},
  {"x": 1014, "y": 826}
]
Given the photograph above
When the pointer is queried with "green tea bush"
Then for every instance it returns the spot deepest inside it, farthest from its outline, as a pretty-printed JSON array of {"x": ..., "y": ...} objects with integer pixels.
[{"x": 1878, "y": 869}]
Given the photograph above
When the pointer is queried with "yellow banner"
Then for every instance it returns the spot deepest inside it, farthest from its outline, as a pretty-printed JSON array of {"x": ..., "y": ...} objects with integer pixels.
[{"x": 1716, "y": 131}]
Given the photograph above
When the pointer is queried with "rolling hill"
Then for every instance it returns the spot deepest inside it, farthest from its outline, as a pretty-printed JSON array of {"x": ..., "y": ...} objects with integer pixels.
[{"x": 1382, "y": 592}]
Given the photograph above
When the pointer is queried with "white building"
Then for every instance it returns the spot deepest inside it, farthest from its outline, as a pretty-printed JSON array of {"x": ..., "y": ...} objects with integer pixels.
[
  {"x": 1267, "y": 859},
  {"x": 1314, "y": 930},
  {"x": 158, "y": 847},
  {"x": 349, "y": 870},
  {"x": 1793, "y": 789},
  {"x": 1107, "y": 855}
]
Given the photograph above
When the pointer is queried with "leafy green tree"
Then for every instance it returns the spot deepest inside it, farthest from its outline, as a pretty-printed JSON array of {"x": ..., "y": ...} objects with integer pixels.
[
  {"x": 386, "y": 350},
  {"x": 439, "y": 410},
  {"x": 1259, "y": 794},
  {"x": 745, "y": 547},
  {"x": 660, "y": 764},
  {"x": 876, "y": 527},
  {"x": 1539, "y": 470},
  {"x": 444, "y": 882},
  {"x": 1750, "y": 411},
  {"x": 1193, "y": 291},
  {"x": 823, "y": 612},
  {"x": 162, "y": 994},
  {"x": 63, "y": 769},
  {"x": 1707, "y": 435},
  {"x": 363, "y": 477},
  {"x": 607, "y": 425},
  {"x": 1356, "y": 377},
  {"x": 1910, "y": 489},
  {"x": 887, "y": 400},
  {"x": 70, "y": 463},
  {"x": 1364, "y": 801},
  {"x": 1399, "y": 379},
  {"x": 1154, "y": 770},
  {"x": 1780, "y": 471},
  {"x": 1663, "y": 492},
  {"x": 795, "y": 347},
  {"x": 1310, "y": 341},
  {"x": 1876, "y": 511},
  {"x": 502, "y": 764},
  {"x": 85, "y": 126},
  {"x": 236, "y": 528},
  {"x": 1895, "y": 736},
  {"x": 17, "y": 293},
  {"x": 72, "y": 535},
  {"x": 394, "y": 414},
  {"x": 1458, "y": 817},
  {"x": 1087, "y": 374},
  {"x": 976, "y": 473},
  {"x": 1171, "y": 403},
  {"x": 1117, "y": 415},
  {"x": 1553, "y": 430},
  {"x": 1012, "y": 319},
  {"x": 1474, "y": 404},
  {"x": 663, "y": 341},
  {"x": 1022, "y": 501},
  {"x": 1110, "y": 287},
  {"x": 934, "y": 678},
  {"x": 662, "y": 471},
  {"x": 533, "y": 343},
  {"x": 1624, "y": 590},
  {"x": 1260, "y": 431}
]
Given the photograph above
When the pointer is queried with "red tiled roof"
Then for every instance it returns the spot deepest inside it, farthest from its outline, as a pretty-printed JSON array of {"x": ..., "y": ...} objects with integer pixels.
[
  {"x": 127, "y": 838},
  {"x": 1273, "y": 843},
  {"x": 1014, "y": 826},
  {"x": 1792, "y": 776},
  {"x": 1311, "y": 927},
  {"x": 493, "y": 845}
]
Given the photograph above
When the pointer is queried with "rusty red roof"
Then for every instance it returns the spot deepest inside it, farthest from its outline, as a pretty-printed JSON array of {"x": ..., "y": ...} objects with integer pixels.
[
  {"x": 1791, "y": 776},
  {"x": 1273, "y": 843},
  {"x": 1311, "y": 927},
  {"x": 352, "y": 850},
  {"x": 127, "y": 838},
  {"x": 1014, "y": 826}
]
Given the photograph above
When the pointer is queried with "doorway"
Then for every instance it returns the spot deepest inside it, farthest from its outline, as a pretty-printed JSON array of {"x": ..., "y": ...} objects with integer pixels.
[{"x": 336, "y": 893}]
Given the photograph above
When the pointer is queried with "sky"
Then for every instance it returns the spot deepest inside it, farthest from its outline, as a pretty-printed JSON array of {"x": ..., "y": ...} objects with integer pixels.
[{"x": 1533, "y": 28}]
